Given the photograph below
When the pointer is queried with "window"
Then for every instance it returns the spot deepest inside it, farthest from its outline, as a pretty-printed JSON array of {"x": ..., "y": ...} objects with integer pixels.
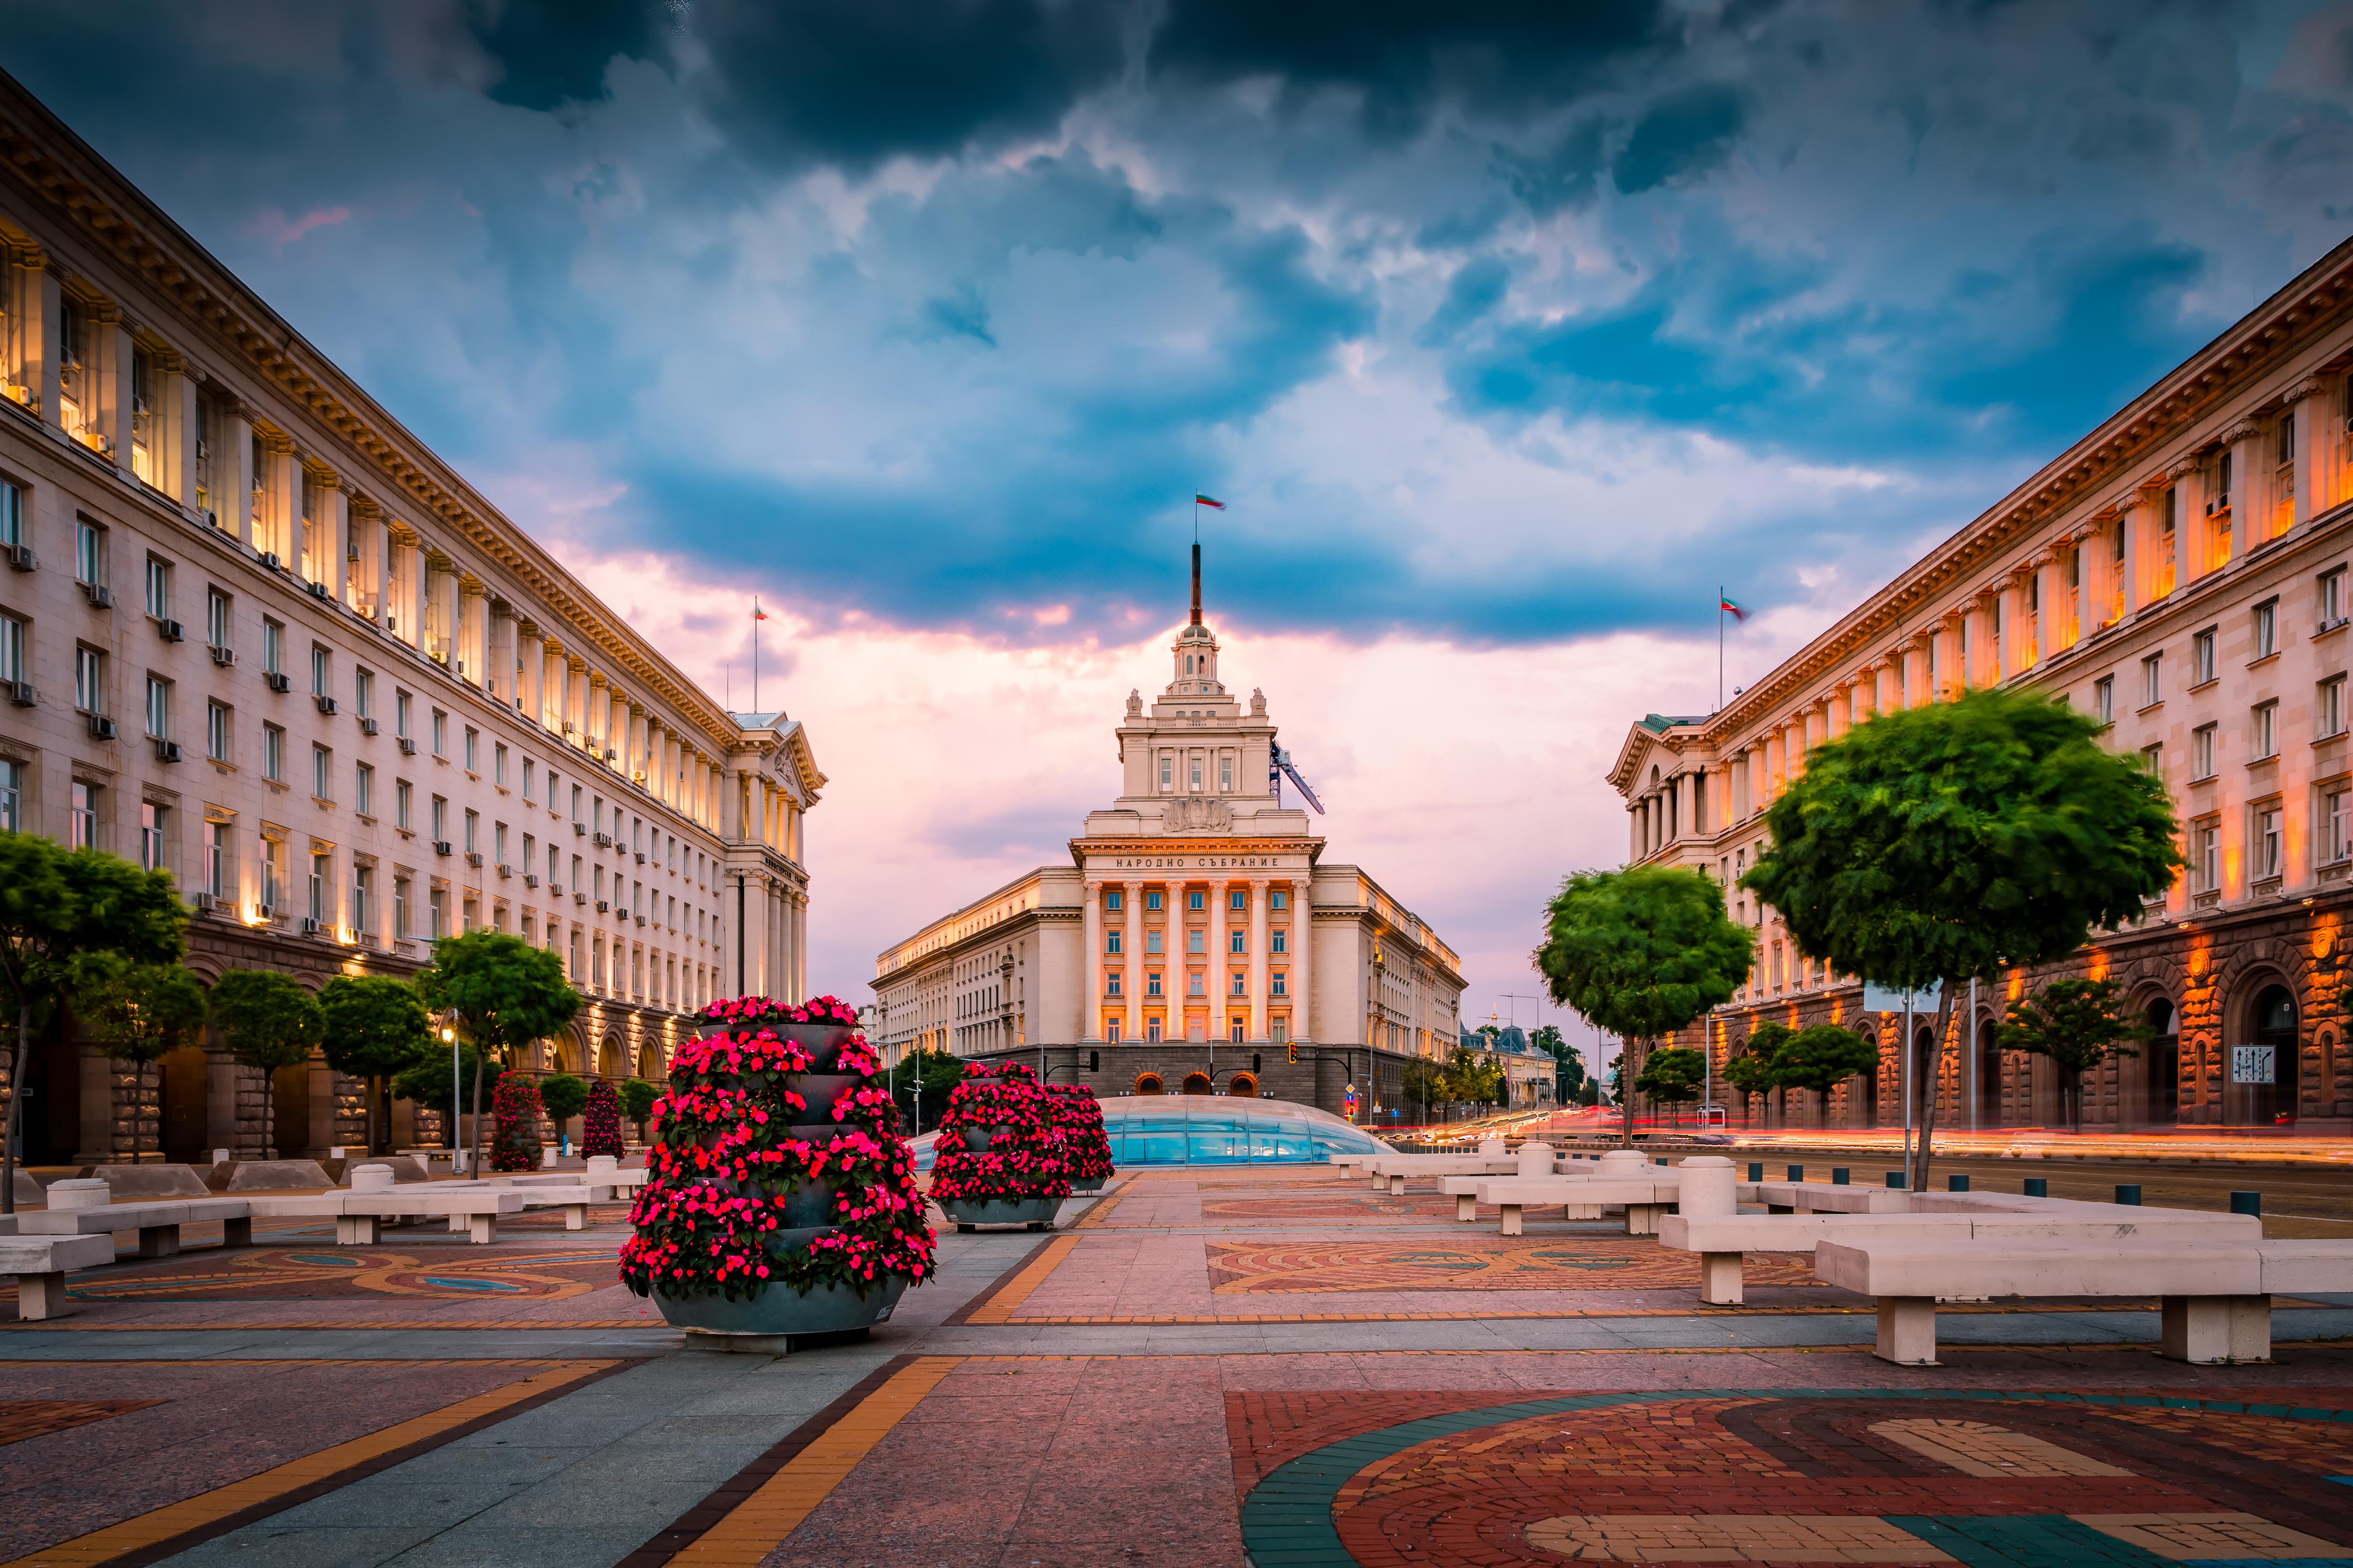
[
  {"x": 2266, "y": 731},
  {"x": 1112, "y": 899},
  {"x": 1278, "y": 900},
  {"x": 12, "y": 512},
  {"x": 154, "y": 837},
  {"x": 440, "y": 733},
  {"x": 1152, "y": 983},
  {"x": 1237, "y": 900},
  {"x": 473, "y": 831},
  {"x": 2336, "y": 825},
  {"x": 1111, "y": 987},
  {"x": 2266, "y": 628},
  {"x": 499, "y": 766},
  {"x": 1197, "y": 773},
  {"x": 2153, "y": 759},
  {"x": 1152, "y": 899},
  {"x": 218, "y": 859},
  {"x": 438, "y": 810},
  {"x": 2331, "y": 605},
  {"x": 2201, "y": 658},
  {"x": 159, "y": 707},
  {"x": 2205, "y": 856},
  {"x": 400, "y": 907},
  {"x": 322, "y": 765},
  {"x": 2201, "y": 752},
  {"x": 273, "y": 873},
  {"x": 2328, "y": 714},
  {"x": 2267, "y": 843},
  {"x": 400, "y": 706},
  {"x": 1239, "y": 984},
  {"x": 89, "y": 552},
  {"x": 436, "y": 912},
  {"x": 314, "y": 889},
  {"x": 1196, "y": 900},
  {"x": 159, "y": 588},
  {"x": 89, "y": 681},
  {"x": 362, "y": 897},
  {"x": 473, "y": 750},
  {"x": 1279, "y": 942},
  {"x": 83, "y": 819},
  {"x": 1226, "y": 775},
  {"x": 1152, "y": 941},
  {"x": 2152, "y": 680},
  {"x": 12, "y": 649},
  {"x": 404, "y": 804},
  {"x": 363, "y": 693},
  {"x": 321, "y": 672},
  {"x": 1278, "y": 984},
  {"x": 273, "y": 754},
  {"x": 12, "y": 795},
  {"x": 1236, "y": 941},
  {"x": 1197, "y": 985},
  {"x": 1197, "y": 941},
  {"x": 2104, "y": 699},
  {"x": 528, "y": 766},
  {"x": 363, "y": 790},
  {"x": 1164, "y": 786},
  {"x": 273, "y": 645}
]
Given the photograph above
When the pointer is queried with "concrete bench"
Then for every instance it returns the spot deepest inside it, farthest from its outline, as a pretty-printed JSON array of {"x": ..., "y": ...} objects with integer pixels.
[
  {"x": 40, "y": 1264},
  {"x": 567, "y": 1193},
  {"x": 1491, "y": 1159},
  {"x": 1823, "y": 1197},
  {"x": 1645, "y": 1199},
  {"x": 1465, "y": 1190},
  {"x": 157, "y": 1223},
  {"x": 2214, "y": 1296},
  {"x": 359, "y": 1216}
]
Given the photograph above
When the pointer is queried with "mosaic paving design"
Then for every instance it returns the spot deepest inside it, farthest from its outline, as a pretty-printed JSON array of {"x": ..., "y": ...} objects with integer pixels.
[
  {"x": 1476, "y": 1263},
  {"x": 1987, "y": 1480},
  {"x": 271, "y": 1274},
  {"x": 23, "y": 1418}
]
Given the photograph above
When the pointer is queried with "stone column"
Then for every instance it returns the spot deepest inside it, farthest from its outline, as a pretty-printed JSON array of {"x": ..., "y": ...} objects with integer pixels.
[
  {"x": 107, "y": 408},
  {"x": 1132, "y": 963},
  {"x": 1303, "y": 943},
  {"x": 1946, "y": 676},
  {"x": 1838, "y": 712},
  {"x": 1769, "y": 776},
  {"x": 1091, "y": 971},
  {"x": 2051, "y": 633},
  {"x": 1216, "y": 976},
  {"x": 2309, "y": 409},
  {"x": 2136, "y": 525},
  {"x": 1258, "y": 958},
  {"x": 179, "y": 415}
]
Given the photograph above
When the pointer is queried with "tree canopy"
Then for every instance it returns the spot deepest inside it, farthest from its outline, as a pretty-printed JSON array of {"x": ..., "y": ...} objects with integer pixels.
[
  {"x": 375, "y": 1026},
  {"x": 267, "y": 1022},
  {"x": 637, "y": 1098},
  {"x": 1672, "y": 1075},
  {"x": 505, "y": 993},
  {"x": 2074, "y": 1023},
  {"x": 564, "y": 1095},
  {"x": 58, "y": 905},
  {"x": 1570, "y": 1079},
  {"x": 140, "y": 1013},
  {"x": 1642, "y": 951}
]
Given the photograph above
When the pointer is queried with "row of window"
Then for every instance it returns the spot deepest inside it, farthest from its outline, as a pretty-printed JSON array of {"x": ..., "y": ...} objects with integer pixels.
[
  {"x": 1196, "y": 941},
  {"x": 1236, "y": 1031},
  {"x": 1237, "y": 900},
  {"x": 1278, "y": 983},
  {"x": 1194, "y": 766}
]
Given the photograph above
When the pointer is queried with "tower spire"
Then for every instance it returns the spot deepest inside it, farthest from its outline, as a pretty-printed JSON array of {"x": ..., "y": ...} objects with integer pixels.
[{"x": 1197, "y": 583}]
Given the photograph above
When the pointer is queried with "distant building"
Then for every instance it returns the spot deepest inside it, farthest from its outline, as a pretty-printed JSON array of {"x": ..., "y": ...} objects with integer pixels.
[
  {"x": 2180, "y": 572},
  {"x": 1195, "y": 936},
  {"x": 1529, "y": 1073}
]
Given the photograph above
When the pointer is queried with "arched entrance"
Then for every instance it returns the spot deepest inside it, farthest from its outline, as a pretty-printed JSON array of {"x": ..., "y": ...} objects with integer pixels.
[
  {"x": 611, "y": 1059},
  {"x": 184, "y": 1083},
  {"x": 1243, "y": 1086},
  {"x": 2263, "y": 1071},
  {"x": 1198, "y": 1083},
  {"x": 290, "y": 1111},
  {"x": 1147, "y": 1083},
  {"x": 2162, "y": 1057},
  {"x": 649, "y": 1062},
  {"x": 1988, "y": 1076}
]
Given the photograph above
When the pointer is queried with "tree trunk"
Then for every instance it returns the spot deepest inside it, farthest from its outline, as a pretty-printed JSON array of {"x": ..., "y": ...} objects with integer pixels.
[
  {"x": 1625, "y": 1099},
  {"x": 137, "y": 1105},
  {"x": 1923, "y": 1085}
]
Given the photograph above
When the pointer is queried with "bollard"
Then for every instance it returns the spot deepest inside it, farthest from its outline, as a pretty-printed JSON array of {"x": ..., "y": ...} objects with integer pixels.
[
  {"x": 1838, "y": 1176},
  {"x": 2038, "y": 1187},
  {"x": 2128, "y": 1192},
  {"x": 1896, "y": 1180},
  {"x": 2247, "y": 1202},
  {"x": 1756, "y": 1170},
  {"x": 1957, "y": 1184},
  {"x": 1797, "y": 1173}
]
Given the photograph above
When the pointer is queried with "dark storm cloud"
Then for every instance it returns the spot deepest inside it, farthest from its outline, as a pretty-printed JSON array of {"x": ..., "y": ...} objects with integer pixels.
[{"x": 553, "y": 52}]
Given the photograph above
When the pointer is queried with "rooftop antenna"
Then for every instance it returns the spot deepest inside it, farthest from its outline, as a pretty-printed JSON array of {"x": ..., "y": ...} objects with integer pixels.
[{"x": 1276, "y": 774}]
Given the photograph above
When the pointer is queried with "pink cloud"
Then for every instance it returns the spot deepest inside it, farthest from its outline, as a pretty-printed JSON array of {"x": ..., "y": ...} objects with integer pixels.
[{"x": 281, "y": 231}]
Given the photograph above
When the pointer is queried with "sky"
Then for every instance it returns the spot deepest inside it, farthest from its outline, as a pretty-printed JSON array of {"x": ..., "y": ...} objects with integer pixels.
[{"x": 1511, "y": 334}]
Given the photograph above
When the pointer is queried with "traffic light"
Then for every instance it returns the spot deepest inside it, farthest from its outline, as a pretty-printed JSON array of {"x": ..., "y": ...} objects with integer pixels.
[{"x": 1295, "y": 1051}]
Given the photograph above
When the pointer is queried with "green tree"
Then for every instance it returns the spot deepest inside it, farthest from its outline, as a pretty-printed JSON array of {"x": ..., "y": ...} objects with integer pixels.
[
  {"x": 432, "y": 1083},
  {"x": 1475, "y": 1080},
  {"x": 267, "y": 1022},
  {"x": 57, "y": 906},
  {"x": 2075, "y": 1024},
  {"x": 933, "y": 1076},
  {"x": 1642, "y": 953},
  {"x": 1568, "y": 1074},
  {"x": 637, "y": 1098},
  {"x": 1673, "y": 1074},
  {"x": 1425, "y": 1084},
  {"x": 1754, "y": 1070},
  {"x": 375, "y": 1029},
  {"x": 564, "y": 1097},
  {"x": 1821, "y": 1058},
  {"x": 141, "y": 1013},
  {"x": 506, "y": 994},
  {"x": 1949, "y": 841}
]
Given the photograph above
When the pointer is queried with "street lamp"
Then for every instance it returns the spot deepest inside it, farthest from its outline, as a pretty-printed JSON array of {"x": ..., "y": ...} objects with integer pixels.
[{"x": 457, "y": 1093}]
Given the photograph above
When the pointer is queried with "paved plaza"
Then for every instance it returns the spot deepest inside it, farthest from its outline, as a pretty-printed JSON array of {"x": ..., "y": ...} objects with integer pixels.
[{"x": 1201, "y": 1367}]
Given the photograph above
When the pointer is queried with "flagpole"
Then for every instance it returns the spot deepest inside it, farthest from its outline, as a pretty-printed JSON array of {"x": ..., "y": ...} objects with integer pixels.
[
  {"x": 1719, "y": 650},
  {"x": 755, "y": 654}
]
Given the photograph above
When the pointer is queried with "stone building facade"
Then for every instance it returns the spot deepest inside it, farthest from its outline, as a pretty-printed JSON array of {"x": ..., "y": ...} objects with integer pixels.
[
  {"x": 1196, "y": 941},
  {"x": 254, "y": 633},
  {"x": 2181, "y": 572}
]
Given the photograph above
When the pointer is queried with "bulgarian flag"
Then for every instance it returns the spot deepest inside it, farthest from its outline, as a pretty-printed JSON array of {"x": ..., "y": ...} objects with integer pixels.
[
  {"x": 1723, "y": 603},
  {"x": 1200, "y": 499}
]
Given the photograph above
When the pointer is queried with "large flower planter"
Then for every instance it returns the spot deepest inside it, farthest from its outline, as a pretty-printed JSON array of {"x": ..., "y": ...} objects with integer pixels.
[
  {"x": 1088, "y": 1184},
  {"x": 1032, "y": 1214},
  {"x": 770, "y": 1321}
]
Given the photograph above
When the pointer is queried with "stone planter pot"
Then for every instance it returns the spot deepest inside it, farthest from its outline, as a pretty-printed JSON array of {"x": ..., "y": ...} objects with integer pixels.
[
  {"x": 1033, "y": 1213},
  {"x": 823, "y": 1090},
  {"x": 811, "y": 1204},
  {"x": 977, "y": 1138},
  {"x": 1088, "y": 1184},
  {"x": 822, "y": 1041},
  {"x": 772, "y": 1321}
]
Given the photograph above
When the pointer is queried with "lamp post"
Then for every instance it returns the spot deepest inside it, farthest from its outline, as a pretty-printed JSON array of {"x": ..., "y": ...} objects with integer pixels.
[{"x": 456, "y": 1095}]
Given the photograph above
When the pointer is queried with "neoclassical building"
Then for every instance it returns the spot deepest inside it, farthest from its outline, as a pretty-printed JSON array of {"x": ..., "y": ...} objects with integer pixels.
[
  {"x": 2181, "y": 573},
  {"x": 255, "y": 632},
  {"x": 1196, "y": 940}
]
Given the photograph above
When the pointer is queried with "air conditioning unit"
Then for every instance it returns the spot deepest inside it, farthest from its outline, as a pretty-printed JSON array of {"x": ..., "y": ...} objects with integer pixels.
[
  {"x": 171, "y": 631},
  {"x": 603, "y": 906},
  {"x": 610, "y": 754},
  {"x": 326, "y": 703},
  {"x": 310, "y": 926},
  {"x": 206, "y": 903},
  {"x": 528, "y": 878},
  {"x": 367, "y": 726},
  {"x": 267, "y": 911},
  {"x": 408, "y": 745},
  {"x": 641, "y": 857},
  {"x": 579, "y": 827},
  {"x": 166, "y": 751},
  {"x": 99, "y": 595},
  {"x": 321, "y": 591},
  {"x": 277, "y": 681},
  {"x": 505, "y": 870},
  {"x": 20, "y": 692},
  {"x": 441, "y": 846},
  {"x": 270, "y": 559},
  {"x": 221, "y": 655},
  {"x": 604, "y": 841},
  {"x": 21, "y": 557},
  {"x": 555, "y": 889},
  {"x": 473, "y": 857},
  {"x": 101, "y": 728},
  {"x": 641, "y": 919}
]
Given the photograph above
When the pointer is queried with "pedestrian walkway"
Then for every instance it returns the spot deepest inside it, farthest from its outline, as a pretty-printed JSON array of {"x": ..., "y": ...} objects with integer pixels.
[{"x": 1202, "y": 1367}]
